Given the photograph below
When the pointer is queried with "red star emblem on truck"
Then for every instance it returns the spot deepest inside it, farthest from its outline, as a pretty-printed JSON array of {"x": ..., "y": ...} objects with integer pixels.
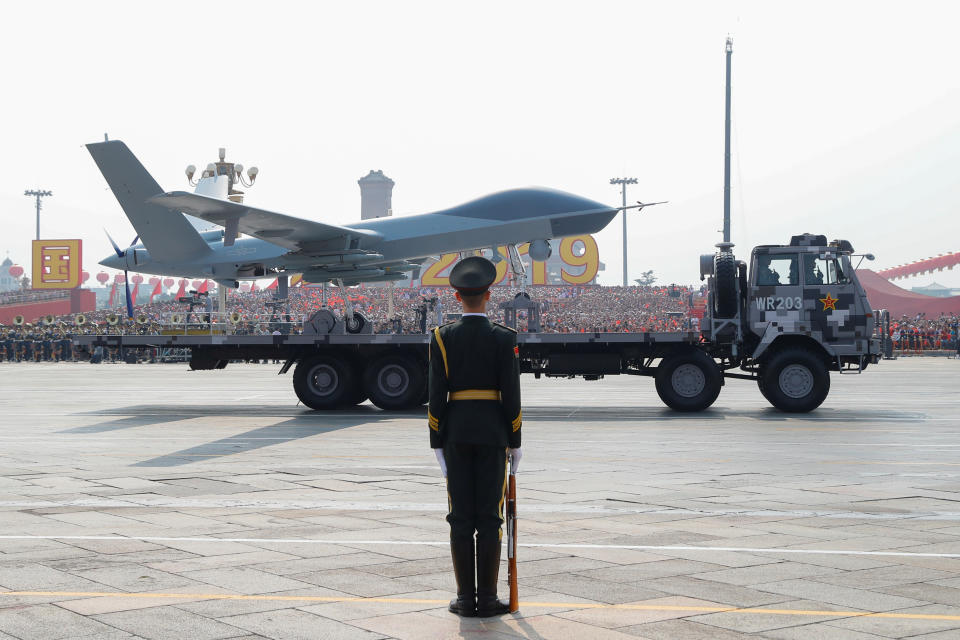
[{"x": 829, "y": 302}]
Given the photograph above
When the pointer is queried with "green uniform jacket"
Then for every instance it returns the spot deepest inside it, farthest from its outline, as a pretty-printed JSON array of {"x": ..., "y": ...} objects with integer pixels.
[{"x": 474, "y": 354}]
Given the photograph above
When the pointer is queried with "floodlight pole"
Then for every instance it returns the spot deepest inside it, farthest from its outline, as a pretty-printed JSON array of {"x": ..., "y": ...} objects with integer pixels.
[
  {"x": 623, "y": 182},
  {"x": 38, "y": 194},
  {"x": 726, "y": 157}
]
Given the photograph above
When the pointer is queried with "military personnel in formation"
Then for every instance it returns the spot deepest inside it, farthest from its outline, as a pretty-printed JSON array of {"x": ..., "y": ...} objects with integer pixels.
[{"x": 474, "y": 418}]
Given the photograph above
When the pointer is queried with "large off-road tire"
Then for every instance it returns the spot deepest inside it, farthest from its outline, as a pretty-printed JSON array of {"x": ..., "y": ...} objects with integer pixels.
[
  {"x": 324, "y": 381},
  {"x": 795, "y": 380},
  {"x": 688, "y": 381},
  {"x": 725, "y": 279},
  {"x": 395, "y": 382}
]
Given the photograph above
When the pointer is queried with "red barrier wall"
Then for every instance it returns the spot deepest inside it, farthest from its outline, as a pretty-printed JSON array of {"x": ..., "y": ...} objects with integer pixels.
[{"x": 79, "y": 301}]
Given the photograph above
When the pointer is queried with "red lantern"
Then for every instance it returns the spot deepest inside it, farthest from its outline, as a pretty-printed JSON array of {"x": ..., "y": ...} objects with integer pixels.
[
  {"x": 102, "y": 277},
  {"x": 84, "y": 276},
  {"x": 119, "y": 278},
  {"x": 16, "y": 271},
  {"x": 154, "y": 281},
  {"x": 136, "y": 279},
  {"x": 196, "y": 284},
  {"x": 168, "y": 282}
]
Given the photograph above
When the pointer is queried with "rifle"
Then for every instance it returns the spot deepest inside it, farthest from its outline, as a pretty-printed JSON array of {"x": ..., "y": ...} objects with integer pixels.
[{"x": 512, "y": 538}]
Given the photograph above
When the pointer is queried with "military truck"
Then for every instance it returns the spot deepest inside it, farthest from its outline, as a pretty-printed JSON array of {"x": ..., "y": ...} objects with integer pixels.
[{"x": 797, "y": 314}]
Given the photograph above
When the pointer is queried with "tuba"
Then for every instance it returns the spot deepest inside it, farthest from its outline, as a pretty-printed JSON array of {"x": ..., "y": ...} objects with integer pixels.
[
  {"x": 80, "y": 320},
  {"x": 18, "y": 320},
  {"x": 235, "y": 317},
  {"x": 112, "y": 319},
  {"x": 176, "y": 318},
  {"x": 141, "y": 319},
  {"x": 49, "y": 319}
]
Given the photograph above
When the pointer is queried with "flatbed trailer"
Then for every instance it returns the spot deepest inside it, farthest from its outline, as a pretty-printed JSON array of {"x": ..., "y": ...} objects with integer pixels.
[{"x": 334, "y": 370}]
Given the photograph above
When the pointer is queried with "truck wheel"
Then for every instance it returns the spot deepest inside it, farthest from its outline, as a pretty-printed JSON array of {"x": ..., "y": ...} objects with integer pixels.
[
  {"x": 394, "y": 382},
  {"x": 688, "y": 381},
  {"x": 323, "y": 381},
  {"x": 795, "y": 381},
  {"x": 725, "y": 277}
]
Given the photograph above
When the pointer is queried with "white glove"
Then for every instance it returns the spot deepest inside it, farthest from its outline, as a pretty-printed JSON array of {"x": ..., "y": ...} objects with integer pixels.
[
  {"x": 516, "y": 454},
  {"x": 443, "y": 463}
]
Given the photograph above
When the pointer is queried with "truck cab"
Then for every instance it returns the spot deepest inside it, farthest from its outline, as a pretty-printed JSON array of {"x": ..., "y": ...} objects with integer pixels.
[{"x": 800, "y": 314}]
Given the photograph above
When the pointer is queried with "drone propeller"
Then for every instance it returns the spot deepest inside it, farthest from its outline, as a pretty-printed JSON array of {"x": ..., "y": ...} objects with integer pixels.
[{"x": 126, "y": 275}]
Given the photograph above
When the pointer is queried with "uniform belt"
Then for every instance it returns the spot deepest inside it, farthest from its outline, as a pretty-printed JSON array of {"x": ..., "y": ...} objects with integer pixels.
[{"x": 475, "y": 394}]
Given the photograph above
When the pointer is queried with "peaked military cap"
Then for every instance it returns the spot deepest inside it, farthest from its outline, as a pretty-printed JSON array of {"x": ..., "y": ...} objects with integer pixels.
[{"x": 473, "y": 275}]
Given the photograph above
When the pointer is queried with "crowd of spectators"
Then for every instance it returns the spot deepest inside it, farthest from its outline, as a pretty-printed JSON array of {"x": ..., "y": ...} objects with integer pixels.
[{"x": 920, "y": 333}]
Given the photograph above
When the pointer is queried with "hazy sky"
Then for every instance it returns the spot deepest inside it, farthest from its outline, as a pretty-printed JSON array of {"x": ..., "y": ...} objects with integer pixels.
[{"x": 846, "y": 114}]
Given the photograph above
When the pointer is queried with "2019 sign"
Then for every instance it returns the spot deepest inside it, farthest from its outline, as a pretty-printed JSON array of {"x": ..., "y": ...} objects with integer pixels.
[{"x": 579, "y": 255}]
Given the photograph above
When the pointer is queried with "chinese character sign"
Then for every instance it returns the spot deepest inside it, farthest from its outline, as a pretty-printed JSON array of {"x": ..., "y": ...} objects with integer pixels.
[{"x": 57, "y": 264}]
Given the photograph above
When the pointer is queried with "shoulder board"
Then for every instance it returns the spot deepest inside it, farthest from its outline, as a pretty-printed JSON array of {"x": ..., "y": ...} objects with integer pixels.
[{"x": 503, "y": 326}]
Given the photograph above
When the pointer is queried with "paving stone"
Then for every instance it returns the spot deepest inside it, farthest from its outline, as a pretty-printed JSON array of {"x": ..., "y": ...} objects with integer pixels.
[
  {"x": 660, "y": 609},
  {"x": 353, "y": 610},
  {"x": 683, "y": 630},
  {"x": 135, "y": 578},
  {"x": 245, "y": 580},
  {"x": 49, "y": 622},
  {"x": 754, "y": 621},
  {"x": 903, "y": 627},
  {"x": 294, "y": 624},
  {"x": 168, "y": 623},
  {"x": 596, "y": 590},
  {"x": 861, "y": 599},
  {"x": 716, "y": 591},
  {"x": 758, "y": 574}
]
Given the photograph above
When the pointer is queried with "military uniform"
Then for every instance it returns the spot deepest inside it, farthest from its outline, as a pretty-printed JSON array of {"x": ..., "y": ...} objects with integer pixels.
[{"x": 474, "y": 416}]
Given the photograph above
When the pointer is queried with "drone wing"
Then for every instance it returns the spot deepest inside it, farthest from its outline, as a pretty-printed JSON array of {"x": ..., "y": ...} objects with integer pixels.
[{"x": 296, "y": 234}]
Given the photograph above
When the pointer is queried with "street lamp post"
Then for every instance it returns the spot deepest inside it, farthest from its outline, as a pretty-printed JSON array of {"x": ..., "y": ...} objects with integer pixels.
[
  {"x": 38, "y": 194},
  {"x": 623, "y": 182},
  {"x": 234, "y": 174}
]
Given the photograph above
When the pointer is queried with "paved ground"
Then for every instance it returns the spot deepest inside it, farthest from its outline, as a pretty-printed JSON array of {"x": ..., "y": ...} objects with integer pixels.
[{"x": 148, "y": 501}]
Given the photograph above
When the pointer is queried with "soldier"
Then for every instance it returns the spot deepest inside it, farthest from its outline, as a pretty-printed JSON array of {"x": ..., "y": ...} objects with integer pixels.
[{"x": 474, "y": 419}]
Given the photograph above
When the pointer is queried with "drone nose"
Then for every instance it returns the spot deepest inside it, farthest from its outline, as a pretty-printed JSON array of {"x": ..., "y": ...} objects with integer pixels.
[{"x": 112, "y": 262}]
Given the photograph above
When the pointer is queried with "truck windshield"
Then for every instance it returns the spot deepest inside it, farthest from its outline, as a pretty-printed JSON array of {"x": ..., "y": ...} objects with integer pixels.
[
  {"x": 818, "y": 270},
  {"x": 777, "y": 270}
]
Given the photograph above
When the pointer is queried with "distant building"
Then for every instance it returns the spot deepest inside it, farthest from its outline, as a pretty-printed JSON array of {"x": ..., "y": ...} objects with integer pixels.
[
  {"x": 376, "y": 195},
  {"x": 7, "y": 281},
  {"x": 936, "y": 290}
]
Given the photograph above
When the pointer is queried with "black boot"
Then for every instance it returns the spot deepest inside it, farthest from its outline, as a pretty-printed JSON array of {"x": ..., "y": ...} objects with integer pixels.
[
  {"x": 488, "y": 568},
  {"x": 465, "y": 603}
]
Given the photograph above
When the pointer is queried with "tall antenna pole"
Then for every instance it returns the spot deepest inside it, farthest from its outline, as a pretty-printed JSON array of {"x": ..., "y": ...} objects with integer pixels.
[
  {"x": 38, "y": 194},
  {"x": 623, "y": 182},
  {"x": 726, "y": 157}
]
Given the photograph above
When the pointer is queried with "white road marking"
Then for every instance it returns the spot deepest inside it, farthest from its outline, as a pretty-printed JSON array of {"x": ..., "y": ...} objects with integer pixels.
[
  {"x": 538, "y": 545},
  {"x": 141, "y": 501}
]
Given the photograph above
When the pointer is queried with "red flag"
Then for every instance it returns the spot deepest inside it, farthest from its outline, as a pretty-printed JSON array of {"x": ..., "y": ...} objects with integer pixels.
[
  {"x": 273, "y": 285},
  {"x": 203, "y": 287},
  {"x": 136, "y": 290},
  {"x": 253, "y": 286},
  {"x": 182, "y": 291},
  {"x": 156, "y": 291},
  {"x": 113, "y": 293}
]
